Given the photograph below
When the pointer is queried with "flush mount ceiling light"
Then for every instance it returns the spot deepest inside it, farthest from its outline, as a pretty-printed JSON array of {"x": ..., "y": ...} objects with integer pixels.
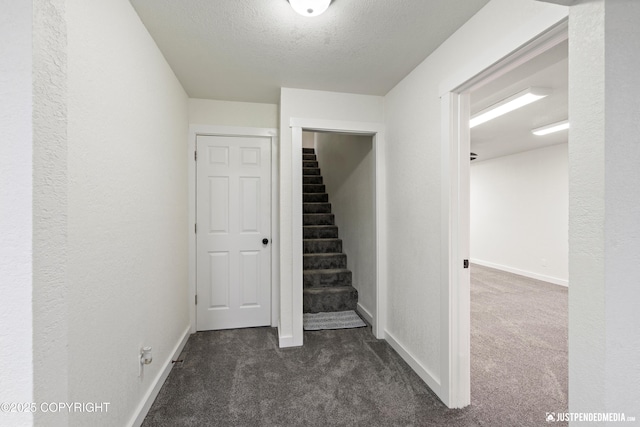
[
  {"x": 509, "y": 104},
  {"x": 310, "y": 7},
  {"x": 553, "y": 127}
]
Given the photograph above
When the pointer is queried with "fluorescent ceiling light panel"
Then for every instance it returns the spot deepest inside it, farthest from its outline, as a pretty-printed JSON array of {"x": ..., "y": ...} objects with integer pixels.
[
  {"x": 310, "y": 7},
  {"x": 509, "y": 104},
  {"x": 553, "y": 127}
]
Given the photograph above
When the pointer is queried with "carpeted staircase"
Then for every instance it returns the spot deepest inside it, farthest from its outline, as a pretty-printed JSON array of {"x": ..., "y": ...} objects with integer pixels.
[{"x": 327, "y": 282}]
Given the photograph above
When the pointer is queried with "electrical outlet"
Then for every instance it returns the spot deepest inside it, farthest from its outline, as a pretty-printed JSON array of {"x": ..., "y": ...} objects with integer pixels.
[{"x": 144, "y": 357}]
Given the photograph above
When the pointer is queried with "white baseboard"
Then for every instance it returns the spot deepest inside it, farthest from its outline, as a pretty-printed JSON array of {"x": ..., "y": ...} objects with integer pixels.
[
  {"x": 431, "y": 380},
  {"x": 143, "y": 408},
  {"x": 285, "y": 341},
  {"x": 529, "y": 274},
  {"x": 365, "y": 313}
]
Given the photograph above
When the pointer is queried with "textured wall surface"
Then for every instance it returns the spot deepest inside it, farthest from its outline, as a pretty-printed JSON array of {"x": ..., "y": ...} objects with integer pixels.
[
  {"x": 16, "y": 378},
  {"x": 520, "y": 213},
  {"x": 50, "y": 209},
  {"x": 414, "y": 178},
  {"x": 622, "y": 141},
  {"x": 604, "y": 239},
  {"x": 227, "y": 113},
  {"x": 117, "y": 189},
  {"x": 347, "y": 166},
  {"x": 587, "y": 193}
]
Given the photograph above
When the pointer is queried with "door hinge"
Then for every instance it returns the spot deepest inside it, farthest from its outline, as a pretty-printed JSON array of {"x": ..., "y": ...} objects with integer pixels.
[
  {"x": 195, "y": 156},
  {"x": 196, "y": 299},
  {"x": 195, "y": 228},
  {"x": 465, "y": 263}
]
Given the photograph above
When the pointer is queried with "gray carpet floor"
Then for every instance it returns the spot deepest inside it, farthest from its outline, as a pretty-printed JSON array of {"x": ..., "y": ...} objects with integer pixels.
[
  {"x": 349, "y": 378},
  {"x": 519, "y": 345}
]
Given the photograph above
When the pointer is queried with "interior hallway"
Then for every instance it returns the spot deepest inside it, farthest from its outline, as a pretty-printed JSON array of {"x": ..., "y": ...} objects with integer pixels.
[{"x": 347, "y": 377}]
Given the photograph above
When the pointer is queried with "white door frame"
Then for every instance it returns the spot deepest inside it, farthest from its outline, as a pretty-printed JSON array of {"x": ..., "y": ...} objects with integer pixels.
[
  {"x": 194, "y": 131},
  {"x": 375, "y": 130},
  {"x": 455, "y": 296}
]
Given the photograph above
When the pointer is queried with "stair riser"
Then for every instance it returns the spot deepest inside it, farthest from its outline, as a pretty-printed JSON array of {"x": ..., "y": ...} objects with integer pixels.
[
  {"x": 327, "y": 232},
  {"x": 330, "y": 302},
  {"x": 313, "y": 188},
  {"x": 315, "y": 198},
  {"x": 318, "y": 219},
  {"x": 308, "y": 151},
  {"x": 309, "y": 164},
  {"x": 316, "y": 208},
  {"x": 333, "y": 246},
  {"x": 320, "y": 262},
  {"x": 310, "y": 171},
  {"x": 312, "y": 179},
  {"x": 309, "y": 157},
  {"x": 320, "y": 280}
]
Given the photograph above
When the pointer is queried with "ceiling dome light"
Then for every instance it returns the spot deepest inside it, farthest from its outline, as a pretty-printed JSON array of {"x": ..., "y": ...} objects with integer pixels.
[{"x": 310, "y": 7}]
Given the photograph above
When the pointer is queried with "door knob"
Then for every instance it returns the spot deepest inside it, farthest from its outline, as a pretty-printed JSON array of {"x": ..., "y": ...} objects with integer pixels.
[{"x": 265, "y": 241}]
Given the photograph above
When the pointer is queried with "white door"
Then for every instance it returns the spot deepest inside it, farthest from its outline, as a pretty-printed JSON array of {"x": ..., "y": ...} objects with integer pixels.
[{"x": 233, "y": 205}]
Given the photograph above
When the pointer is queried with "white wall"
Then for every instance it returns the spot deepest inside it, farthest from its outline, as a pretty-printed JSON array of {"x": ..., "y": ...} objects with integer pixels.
[
  {"x": 347, "y": 167},
  {"x": 308, "y": 140},
  {"x": 604, "y": 207},
  {"x": 50, "y": 209},
  {"x": 123, "y": 193},
  {"x": 16, "y": 378},
  {"x": 520, "y": 213},
  {"x": 231, "y": 113},
  {"x": 308, "y": 104},
  {"x": 414, "y": 178}
]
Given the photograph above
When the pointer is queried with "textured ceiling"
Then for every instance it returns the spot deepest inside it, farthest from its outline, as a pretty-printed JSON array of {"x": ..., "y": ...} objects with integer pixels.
[
  {"x": 245, "y": 50},
  {"x": 511, "y": 133}
]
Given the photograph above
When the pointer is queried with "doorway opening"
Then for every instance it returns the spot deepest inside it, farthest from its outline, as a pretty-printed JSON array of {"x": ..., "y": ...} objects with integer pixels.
[
  {"x": 375, "y": 132},
  {"x": 519, "y": 242},
  {"x": 456, "y": 107},
  {"x": 338, "y": 225}
]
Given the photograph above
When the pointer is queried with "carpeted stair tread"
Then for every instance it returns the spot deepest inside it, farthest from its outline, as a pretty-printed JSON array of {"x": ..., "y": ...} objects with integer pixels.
[
  {"x": 316, "y": 246},
  {"x": 310, "y": 171},
  {"x": 326, "y": 277},
  {"x": 324, "y": 261},
  {"x": 316, "y": 207},
  {"x": 318, "y": 219},
  {"x": 312, "y": 179},
  {"x": 326, "y": 271},
  {"x": 329, "y": 299},
  {"x": 320, "y": 232},
  {"x": 313, "y": 188},
  {"x": 308, "y": 150},
  {"x": 315, "y": 198},
  {"x": 330, "y": 290}
]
